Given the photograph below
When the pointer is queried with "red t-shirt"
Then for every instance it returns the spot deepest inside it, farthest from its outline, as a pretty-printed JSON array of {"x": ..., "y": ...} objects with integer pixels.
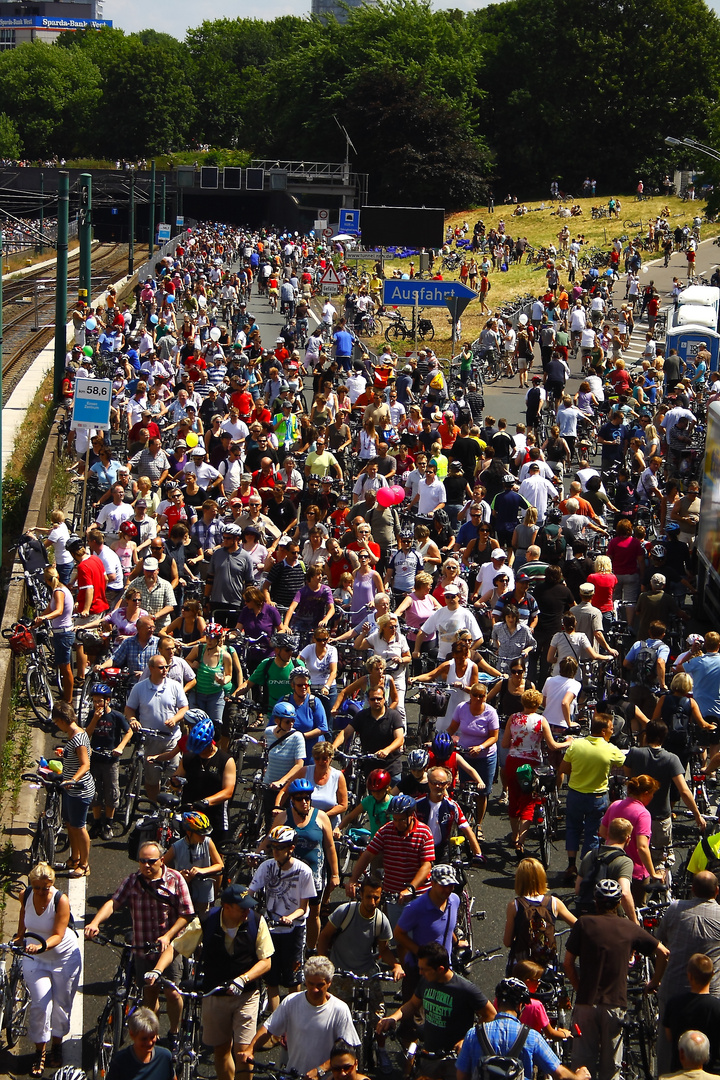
[
  {"x": 334, "y": 569},
  {"x": 624, "y": 554},
  {"x": 375, "y": 548},
  {"x": 243, "y": 402},
  {"x": 91, "y": 572},
  {"x": 604, "y": 586}
]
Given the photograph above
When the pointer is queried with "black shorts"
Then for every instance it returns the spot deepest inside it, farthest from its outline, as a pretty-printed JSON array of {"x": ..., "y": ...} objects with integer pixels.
[
  {"x": 286, "y": 961},
  {"x": 554, "y": 388}
]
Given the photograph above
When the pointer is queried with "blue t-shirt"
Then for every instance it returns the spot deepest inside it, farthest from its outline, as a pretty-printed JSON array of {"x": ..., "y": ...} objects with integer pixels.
[
  {"x": 705, "y": 671},
  {"x": 424, "y": 922},
  {"x": 343, "y": 343},
  {"x": 125, "y": 1066},
  {"x": 663, "y": 652},
  {"x": 467, "y": 532},
  {"x": 502, "y": 1033}
]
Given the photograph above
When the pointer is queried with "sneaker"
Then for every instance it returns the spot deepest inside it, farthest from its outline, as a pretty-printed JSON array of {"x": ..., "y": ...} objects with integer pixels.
[
  {"x": 107, "y": 831},
  {"x": 385, "y": 1065},
  {"x": 503, "y": 799}
]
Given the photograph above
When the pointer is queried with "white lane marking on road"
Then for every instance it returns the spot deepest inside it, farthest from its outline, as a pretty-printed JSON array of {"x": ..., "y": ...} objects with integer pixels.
[{"x": 72, "y": 1046}]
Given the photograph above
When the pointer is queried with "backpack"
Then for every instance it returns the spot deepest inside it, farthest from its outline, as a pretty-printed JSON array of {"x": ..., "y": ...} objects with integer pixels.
[
  {"x": 644, "y": 667},
  {"x": 464, "y": 415},
  {"x": 494, "y": 1066},
  {"x": 352, "y": 910},
  {"x": 713, "y": 858},
  {"x": 552, "y": 548},
  {"x": 58, "y": 894},
  {"x": 599, "y": 870},
  {"x": 534, "y": 937}
]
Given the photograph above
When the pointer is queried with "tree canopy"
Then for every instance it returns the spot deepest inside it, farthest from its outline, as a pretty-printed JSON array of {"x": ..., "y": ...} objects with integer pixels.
[{"x": 438, "y": 104}]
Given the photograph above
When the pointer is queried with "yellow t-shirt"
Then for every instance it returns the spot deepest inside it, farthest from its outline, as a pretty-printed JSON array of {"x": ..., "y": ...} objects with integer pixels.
[
  {"x": 698, "y": 860},
  {"x": 591, "y": 759}
]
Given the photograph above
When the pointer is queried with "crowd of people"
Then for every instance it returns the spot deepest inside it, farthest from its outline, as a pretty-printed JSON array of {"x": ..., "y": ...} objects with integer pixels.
[{"x": 249, "y": 542}]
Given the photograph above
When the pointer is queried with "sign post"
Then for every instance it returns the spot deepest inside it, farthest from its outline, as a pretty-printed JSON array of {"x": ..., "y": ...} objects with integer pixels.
[
  {"x": 415, "y": 323},
  {"x": 330, "y": 282},
  {"x": 91, "y": 409}
]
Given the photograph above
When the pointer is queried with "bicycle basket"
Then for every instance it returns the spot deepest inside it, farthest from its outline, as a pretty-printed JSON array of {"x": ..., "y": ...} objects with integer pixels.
[
  {"x": 22, "y": 640},
  {"x": 433, "y": 702},
  {"x": 425, "y": 326},
  {"x": 91, "y": 640},
  {"x": 543, "y": 779}
]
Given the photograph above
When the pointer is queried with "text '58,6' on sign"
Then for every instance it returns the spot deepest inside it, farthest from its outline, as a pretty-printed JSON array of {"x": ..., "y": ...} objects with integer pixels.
[{"x": 91, "y": 404}]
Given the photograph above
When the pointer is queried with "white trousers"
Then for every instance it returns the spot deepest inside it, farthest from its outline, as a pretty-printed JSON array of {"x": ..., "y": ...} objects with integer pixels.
[{"x": 52, "y": 988}]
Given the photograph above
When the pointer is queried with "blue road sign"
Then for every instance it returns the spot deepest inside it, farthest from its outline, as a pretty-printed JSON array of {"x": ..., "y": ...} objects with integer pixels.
[
  {"x": 163, "y": 232},
  {"x": 91, "y": 403},
  {"x": 425, "y": 293},
  {"x": 349, "y": 222}
]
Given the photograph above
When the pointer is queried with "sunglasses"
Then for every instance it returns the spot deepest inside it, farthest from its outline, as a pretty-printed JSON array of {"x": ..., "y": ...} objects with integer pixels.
[{"x": 149, "y": 862}]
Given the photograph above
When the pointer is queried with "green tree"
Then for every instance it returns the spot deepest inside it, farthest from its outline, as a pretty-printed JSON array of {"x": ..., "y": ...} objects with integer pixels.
[
  {"x": 51, "y": 95},
  {"x": 10, "y": 142}
]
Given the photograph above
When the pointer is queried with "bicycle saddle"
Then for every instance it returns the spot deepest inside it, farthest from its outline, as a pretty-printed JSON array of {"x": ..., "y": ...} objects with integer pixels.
[{"x": 165, "y": 798}]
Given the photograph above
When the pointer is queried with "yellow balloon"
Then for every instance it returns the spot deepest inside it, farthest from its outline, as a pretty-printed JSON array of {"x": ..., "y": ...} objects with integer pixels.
[{"x": 191, "y": 439}]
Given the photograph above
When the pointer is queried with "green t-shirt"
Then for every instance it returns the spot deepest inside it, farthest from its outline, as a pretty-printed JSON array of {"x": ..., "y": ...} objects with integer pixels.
[
  {"x": 378, "y": 812},
  {"x": 277, "y": 679}
]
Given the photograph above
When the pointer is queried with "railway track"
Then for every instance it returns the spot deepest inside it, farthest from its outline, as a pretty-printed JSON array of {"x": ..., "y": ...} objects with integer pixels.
[{"x": 29, "y": 320}]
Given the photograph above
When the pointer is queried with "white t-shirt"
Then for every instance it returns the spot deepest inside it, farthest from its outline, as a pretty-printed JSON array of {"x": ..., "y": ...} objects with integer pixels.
[
  {"x": 487, "y": 573},
  {"x": 319, "y": 669},
  {"x": 310, "y": 1031},
  {"x": 446, "y": 623},
  {"x": 284, "y": 890},
  {"x": 58, "y": 537},
  {"x": 112, "y": 565},
  {"x": 555, "y": 689},
  {"x": 237, "y": 431},
  {"x": 430, "y": 496},
  {"x": 112, "y": 516}
]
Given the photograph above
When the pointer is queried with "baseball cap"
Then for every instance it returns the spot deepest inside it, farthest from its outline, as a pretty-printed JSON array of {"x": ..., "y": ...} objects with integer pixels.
[
  {"x": 451, "y": 590},
  {"x": 284, "y": 541},
  {"x": 251, "y": 530},
  {"x": 198, "y": 452},
  {"x": 238, "y": 894},
  {"x": 141, "y": 502},
  {"x": 498, "y": 553},
  {"x": 587, "y": 589},
  {"x": 151, "y": 564}
]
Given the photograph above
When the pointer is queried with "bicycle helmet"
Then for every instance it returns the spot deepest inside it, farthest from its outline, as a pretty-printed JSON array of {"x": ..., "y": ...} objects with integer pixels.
[
  {"x": 379, "y": 780},
  {"x": 553, "y": 516},
  {"x": 129, "y": 529},
  {"x": 75, "y": 543},
  {"x": 508, "y": 478},
  {"x": 694, "y": 639},
  {"x": 350, "y": 707},
  {"x": 285, "y": 641},
  {"x": 442, "y": 746},
  {"x": 402, "y": 804},
  {"x": 282, "y": 834},
  {"x": 195, "y": 716},
  {"x": 618, "y": 688},
  {"x": 69, "y": 1072},
  {"x": 214, "y": 630},
  {"x": 301, "y": 672},
  {"x": 512, "y": 992},
  {"x": 417, "y": 759},
  {"x": 442, "y": 517},
  {"x": 672, "y": 527},
  {"x": 407, "y": 534},
  {"x": 315, "y": 476},
  {"x": 658, "y": 551},
  {"x": 608, "y": 891},
  {"x": 193, "y": 821},
  {"x": 101, "y": 689},
  {"x": 300, "y": 787},
  {"x": 200, "y": 737},
  {"x": 283, "y": 710}
]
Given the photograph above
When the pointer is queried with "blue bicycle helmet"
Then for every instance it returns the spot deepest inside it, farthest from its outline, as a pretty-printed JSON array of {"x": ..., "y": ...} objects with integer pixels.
[
  {"x": 672, "y": 527},
  {"x": 401, "y": 804},
  {"x": 201, "y": 736},
  {"x": 350, "y": 707},
  {"x": 300, "y": 787},
  {"x": 196, "y": 716},
  {"x": 442, "y": 746},
  {"x": 283, "y": 709},
  {"x": 101, "y": 689},
  {"x": 417, "y": 759}
]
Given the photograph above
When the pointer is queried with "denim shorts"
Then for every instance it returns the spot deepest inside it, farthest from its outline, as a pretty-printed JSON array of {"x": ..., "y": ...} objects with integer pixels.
[
  {"x": 63, "y": 641},
  {"x": 74, "y": 810}
]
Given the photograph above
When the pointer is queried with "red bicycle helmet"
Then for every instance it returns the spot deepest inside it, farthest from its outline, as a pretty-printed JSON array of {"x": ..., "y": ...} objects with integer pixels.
[
  {"x": 129, "y": 529},
  {"x": 378, "y": 780}
]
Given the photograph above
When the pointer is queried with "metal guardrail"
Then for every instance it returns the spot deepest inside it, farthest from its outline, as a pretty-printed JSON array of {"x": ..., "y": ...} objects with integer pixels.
[{"x": 148, "y": 268}]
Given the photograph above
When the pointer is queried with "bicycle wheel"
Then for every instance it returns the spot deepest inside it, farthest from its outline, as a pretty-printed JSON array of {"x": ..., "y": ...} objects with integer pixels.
[
  {"x": 106, "y": 1041},
  {"x": 395, "y": 332},
  {"x": 39, "y": 692},
  {"x": 366, "y": 1047},
  {"x": 491, "y": 373},
  {"x": 543, "y": 845},
  {"x": 129, "y": 798},
  {"x": 44, "y": 843},
  {"x": 647, "y": 1035},
  {"x": 427, "y": 335},
  {"x": 18, "y": 1003}
]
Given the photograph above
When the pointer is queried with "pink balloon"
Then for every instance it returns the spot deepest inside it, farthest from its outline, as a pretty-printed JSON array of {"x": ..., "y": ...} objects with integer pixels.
[
  {"x": 385, "y": 497},
  {"x": 399, "y": 493}
]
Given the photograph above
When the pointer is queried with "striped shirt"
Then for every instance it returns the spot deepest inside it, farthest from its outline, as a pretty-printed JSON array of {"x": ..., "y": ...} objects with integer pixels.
[
  {"x": 85, "y": 787},
  {"x": 281, "y": 761},
  {"x": 403, "y": 854}
]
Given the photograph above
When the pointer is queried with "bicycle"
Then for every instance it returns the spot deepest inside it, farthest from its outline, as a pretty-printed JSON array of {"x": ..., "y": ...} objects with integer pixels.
[
  {"x": 14, "y": 996},
  {"x": 125, "y": 995},
  {"x": 131, "y": 789},
  {"x": 49, "y": 828},
  {"x": 189, "y": 1045},
  {"x": 545, "y": 814},
  {"x": 698, "y": 779},
  {"x": 363, "y": 1013},
  {"x": 41, "y": 671}
]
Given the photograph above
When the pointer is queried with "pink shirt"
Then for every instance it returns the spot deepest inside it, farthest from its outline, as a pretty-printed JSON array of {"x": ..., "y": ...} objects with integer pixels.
[
  {"x": 604, "y": 587},
  {"x": 624, "y": 554},
  {"x": 639, "y": 817}
]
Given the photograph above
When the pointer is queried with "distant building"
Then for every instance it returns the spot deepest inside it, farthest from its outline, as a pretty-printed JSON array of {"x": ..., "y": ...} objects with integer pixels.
[
  {"x": 45, "y": 21},
  {"x": 323, "y": 8}
]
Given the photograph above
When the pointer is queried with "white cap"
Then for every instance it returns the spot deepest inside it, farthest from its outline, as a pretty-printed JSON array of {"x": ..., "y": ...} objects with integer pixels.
[{"x": 498, "y": 553}]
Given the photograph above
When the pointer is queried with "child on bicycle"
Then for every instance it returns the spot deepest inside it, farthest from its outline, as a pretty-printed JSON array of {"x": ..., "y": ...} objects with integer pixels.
[{"x": 534, "y": 1014}]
